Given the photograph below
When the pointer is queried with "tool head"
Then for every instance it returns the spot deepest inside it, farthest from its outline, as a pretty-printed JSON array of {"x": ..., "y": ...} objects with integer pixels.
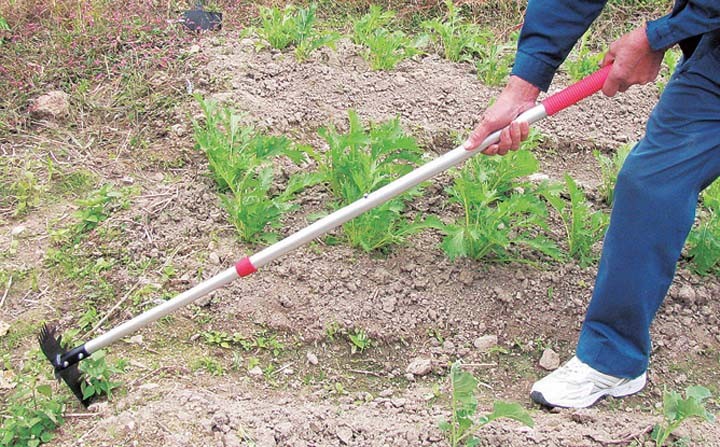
[
  {"x": 200, "y": 20},
  {"x": 51, "y": 346}
]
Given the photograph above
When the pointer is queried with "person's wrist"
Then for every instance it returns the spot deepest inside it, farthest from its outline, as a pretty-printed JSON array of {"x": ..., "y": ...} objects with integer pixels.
[{"x": 521, "y": 90}]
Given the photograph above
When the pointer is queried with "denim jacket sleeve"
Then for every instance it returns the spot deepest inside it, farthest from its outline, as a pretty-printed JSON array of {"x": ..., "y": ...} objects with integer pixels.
[
  {"x": 689, "y": 18},
  {"x": 551, "y": 29}
]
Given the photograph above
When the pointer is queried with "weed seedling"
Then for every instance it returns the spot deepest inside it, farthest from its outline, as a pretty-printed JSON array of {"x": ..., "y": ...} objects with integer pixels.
[
  {"x": 585, "y": 62},
  {"x": 359, "y": 341},
  {"x": 31, "y": 415},
  {"x": 464, "y": 422},
  {"x": 499, "y": 211},
  {"x": 294, "y": 26},
  {"x": 704, "y": 239},
  {"x": 676, "y": 410},
  {"x": 361, "y": 161},
  {"x": 97, "y": 374},
  {"x": 459, "y": 40},
  {"x": 241, "y": 162},
  {"x": 583, "y": 228},
  {"x": 609, "y": 168},
  {"x": 385, "y": 48}
]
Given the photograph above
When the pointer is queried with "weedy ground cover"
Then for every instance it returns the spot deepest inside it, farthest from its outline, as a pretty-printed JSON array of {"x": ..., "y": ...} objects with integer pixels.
[
  {"x": 464, "y": 421},
  {"x": 583, "y": 227},
  {"x": 458, "y": 39},
  {"x": 704, "y": 239},
  {"x": 584, "y": 60},
  {"x": 361, "y": 161},
  {"x": 66, "y": 43},
  {"x": 241, "y": 163},
  {"x": 609, "y": 169},
  {"x": 294, "y": 26},
  {"x": 97, "y": 376},
  {"x": 498, "y": 211},
  {"x": 676, "y": 410},
  {"x": 385, "y": 45}
]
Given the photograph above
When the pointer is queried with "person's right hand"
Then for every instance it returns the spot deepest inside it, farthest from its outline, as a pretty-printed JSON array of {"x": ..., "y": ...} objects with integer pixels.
[{"x": 517, "y": 97}]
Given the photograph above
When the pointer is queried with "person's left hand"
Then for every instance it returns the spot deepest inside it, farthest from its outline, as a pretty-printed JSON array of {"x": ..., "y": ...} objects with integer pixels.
[{"x": 634, "y": 62}]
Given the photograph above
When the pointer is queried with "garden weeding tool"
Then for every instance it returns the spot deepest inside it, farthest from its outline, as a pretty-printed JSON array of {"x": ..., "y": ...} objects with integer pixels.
[
  {"x": 65, "y": 362},
  {"x": 198, "y": 19}
]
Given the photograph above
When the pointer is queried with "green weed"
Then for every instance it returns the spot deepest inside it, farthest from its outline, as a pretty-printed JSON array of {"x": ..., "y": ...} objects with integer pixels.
[
  {"x": 493, "y": 64},
  {"x": 241, "y": 164},
  {"x": 359, "y": 341},
  {"x": 294, "y": 26},
  {"x": 584, "y": 62},
  {"x": 583, "y": 228},
  {"x": 208, "y": 364},
  {"x": 704, "y": 239},
  {"x": 31, "y": 415},
  {"x": 384, "y": 48},
  {"x": 361, "y": 161},
  {"x": 458, "y": 39},
  {"x": 670, "y": 60},
  {"x": 609, "y": 168},
  {"x": 676, "y": 410},
  {"x": 464, "y": 422},
  {"x": 97, "y": 374},
  {"x": 498, "y": 211}
]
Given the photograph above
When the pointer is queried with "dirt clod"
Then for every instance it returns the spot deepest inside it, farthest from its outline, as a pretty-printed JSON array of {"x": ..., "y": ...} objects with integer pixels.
[
  {"x": 550, "y": 360},
  {"x": 420, "y": 366}
]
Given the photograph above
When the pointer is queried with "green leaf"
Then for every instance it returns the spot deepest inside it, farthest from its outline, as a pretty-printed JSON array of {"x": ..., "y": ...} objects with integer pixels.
[
  {"x": 45, "y": 390},
  {"x": 88, "y": 391},
  {"x": 511, "y": 411}
]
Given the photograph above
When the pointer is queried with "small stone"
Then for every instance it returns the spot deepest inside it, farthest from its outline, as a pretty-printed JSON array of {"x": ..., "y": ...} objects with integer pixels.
[
  {"x": 312, "y": 358},
  {"x": 255, "y": 372},
  {"x": 344, "y": 434},
  {"x": 550, "y": 360},
  {"x": 398, "y": 402},
  {"x": 687, "y": 294},
  {"x": 7, "y": 379},
  {"x": 136, "y": 339},
  {"x": 52, "y": 105},
  {"x": 127, "y": 180},
  {"x": 17, "y": 230},
  {"x": 4, "y": 328},
  {"x": 179, "y": 130},
  {"x": 386, "y": 393},
  {"x": 485, "y": 342},
  {"x": 288, "y": 371},
  {"x": 214, "y": 258},
  {"x": 194, "y": 49},
  {"x": 420, "y": 366},
  {"x": 388, "y": 303}
]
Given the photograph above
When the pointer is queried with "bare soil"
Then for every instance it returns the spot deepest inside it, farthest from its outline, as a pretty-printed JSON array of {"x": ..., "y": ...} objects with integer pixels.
[{"x": 413, "y": 302}]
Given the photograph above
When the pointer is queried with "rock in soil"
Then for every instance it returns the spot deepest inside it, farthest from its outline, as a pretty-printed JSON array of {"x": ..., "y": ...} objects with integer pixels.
[
  {"x": 420, "y": 366},
  {"x": 550, "y": 360},
  {"x": 52, "y": 105},
  {"x": 485, "y": 342}
]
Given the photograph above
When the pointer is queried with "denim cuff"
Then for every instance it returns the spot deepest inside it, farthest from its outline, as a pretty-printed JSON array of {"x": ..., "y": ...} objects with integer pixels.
[{"x": 533, "y": 70}]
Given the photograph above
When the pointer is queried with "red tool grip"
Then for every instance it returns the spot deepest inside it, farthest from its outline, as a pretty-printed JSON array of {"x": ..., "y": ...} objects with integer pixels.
[
  {"x": 576, "y": 92},
  {"x": 244, "y": 267}
]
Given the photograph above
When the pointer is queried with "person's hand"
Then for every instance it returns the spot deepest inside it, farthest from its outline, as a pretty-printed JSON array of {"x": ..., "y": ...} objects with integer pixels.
[
  {"x": 634, "y": 62},
  {"x": 518, "y": 96}
]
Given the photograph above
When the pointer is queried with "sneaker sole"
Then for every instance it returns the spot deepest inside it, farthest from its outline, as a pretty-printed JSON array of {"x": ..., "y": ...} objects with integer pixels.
[{"x": 626, "y": 389}]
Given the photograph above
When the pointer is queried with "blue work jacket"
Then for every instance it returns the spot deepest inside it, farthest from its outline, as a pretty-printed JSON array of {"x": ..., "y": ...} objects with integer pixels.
[{"x": 553, "y": 26}]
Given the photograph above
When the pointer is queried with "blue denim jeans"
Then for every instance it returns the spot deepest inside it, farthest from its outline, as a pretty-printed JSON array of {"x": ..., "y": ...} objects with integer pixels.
[{"x": 655, "y": 200}]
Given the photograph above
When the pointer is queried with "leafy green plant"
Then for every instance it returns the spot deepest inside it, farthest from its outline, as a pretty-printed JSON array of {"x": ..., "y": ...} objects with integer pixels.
[
  {"x": 218, "y": 338},
  {"x": 359, "y": 340},
  {"x": 609, "y": 168},
  {"x": 459, "y": 40},
  {"x": 241, "y": 163},
  {"x": 704, "y": 239},
  {"x": 294, "y": 26},
  {"x": 210, "y": 365},
  {"x": 97, "y": 207},
  {"x": 493, "y": 64},
  {"x": 97, "y": 374},
  {"x": 361, "y": 161},
  {"x": 498, "y": 211},
  {"x": 584, "y": 62},
  {"x": 583, "y": 228},
  {"x": 384, "y": 48},
  {"x": 31, "y": 414},
  {"x": 676, "y": 410},
  {"x": 464, "y": 422},
  {"x": 670, "y": 60}
]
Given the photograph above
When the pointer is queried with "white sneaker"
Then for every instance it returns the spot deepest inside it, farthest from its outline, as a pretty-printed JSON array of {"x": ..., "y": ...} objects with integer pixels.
[{"x": 578, "y": 385}]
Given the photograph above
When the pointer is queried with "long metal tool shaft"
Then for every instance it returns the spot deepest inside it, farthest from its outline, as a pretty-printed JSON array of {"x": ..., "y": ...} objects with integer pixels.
[{"x": 249, "y": 265}]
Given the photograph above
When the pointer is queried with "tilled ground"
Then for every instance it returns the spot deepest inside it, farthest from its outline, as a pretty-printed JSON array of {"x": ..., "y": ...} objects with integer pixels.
[{"x": 413, "y": 302}]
